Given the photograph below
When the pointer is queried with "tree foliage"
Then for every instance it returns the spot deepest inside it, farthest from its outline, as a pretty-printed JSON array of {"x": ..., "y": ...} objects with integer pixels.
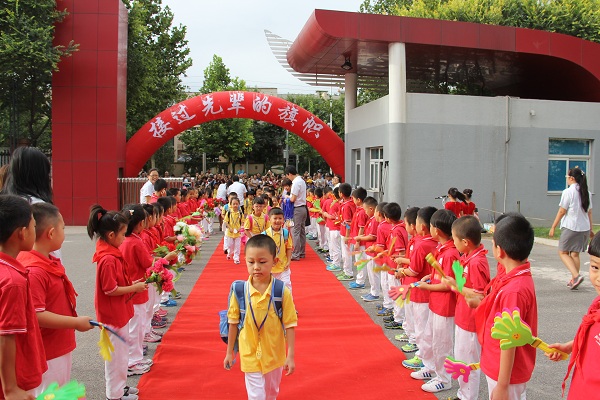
[
  {"x": 223, "y": 138},
  {"x": 157, "y": 59},
  {"x": 27, "y": 59}
]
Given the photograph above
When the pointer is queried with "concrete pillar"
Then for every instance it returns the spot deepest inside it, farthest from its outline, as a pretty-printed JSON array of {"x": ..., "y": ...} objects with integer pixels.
[
  {"x": 397, "y": 119},
  {"x": 350, "y": 95}
]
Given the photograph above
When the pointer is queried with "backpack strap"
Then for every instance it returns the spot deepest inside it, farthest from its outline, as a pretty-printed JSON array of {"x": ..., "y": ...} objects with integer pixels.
[
  {"x": 286, "y": 234},
  {"x": 239, "y": 289},
  {"x": 251, "y": 220},
  {"x": 277, "y": 289}
]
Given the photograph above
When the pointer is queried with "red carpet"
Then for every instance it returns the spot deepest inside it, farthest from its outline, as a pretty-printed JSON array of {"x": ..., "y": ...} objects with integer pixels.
[{"x": 340, "y": 351}]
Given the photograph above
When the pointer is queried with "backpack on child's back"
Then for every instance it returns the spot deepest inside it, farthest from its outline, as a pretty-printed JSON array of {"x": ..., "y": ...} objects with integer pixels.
[{"x": 239, "y": 288}]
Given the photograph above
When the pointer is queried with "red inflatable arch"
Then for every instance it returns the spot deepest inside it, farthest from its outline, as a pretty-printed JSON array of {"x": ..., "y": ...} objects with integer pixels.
[{"x": 220, "y": 105}]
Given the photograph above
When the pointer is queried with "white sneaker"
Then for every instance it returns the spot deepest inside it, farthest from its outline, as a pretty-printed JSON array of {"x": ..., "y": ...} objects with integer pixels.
[
  {"x": 422, "y": 374},
  {"x": 129, "y": 397},
  {"x": 145, "y": 361},
  {"x": 131, "y": 390},
  {"x": 137, "y": 369},
  {"x": 434, "y": 386},
  {"x": 157, "y": 333},
  {"x": 152, "y": 338}
]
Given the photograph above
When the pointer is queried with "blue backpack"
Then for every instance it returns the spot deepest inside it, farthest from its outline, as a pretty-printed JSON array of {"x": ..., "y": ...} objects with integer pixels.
[
  {"x": 240, "y": 289},
  {"x": 286, "y": 233}
]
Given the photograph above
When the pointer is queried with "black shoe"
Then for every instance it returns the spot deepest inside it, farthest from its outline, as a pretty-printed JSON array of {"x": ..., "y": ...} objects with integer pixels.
[{"x": 389, "y": 318}]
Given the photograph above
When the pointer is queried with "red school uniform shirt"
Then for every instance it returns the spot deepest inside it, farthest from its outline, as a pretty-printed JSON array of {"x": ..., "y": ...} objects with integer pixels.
[
  {"x": 17, "y": 318},
  {"x": 420, "y": 266},
  {"x": 150, "y": 238},
  {"x": 477, "y": 275},
  {"x": 51, "y": 291},
  {"x": 334, "y": 210},
  {"x": 111, "y": 273},
  {"x": 169, "y": 224},
  {"x": 399, "y": 237},
  {"x": 359, "y": 220},
  {"x": 383, "y": 233},
  {"x": 347, "y": 210},
  {"x": 469, "y": 208},
  {"x": 371, "y": 230},
  {"x": 455, "y": 206},
  {"x": 444, "y": 303},
  {"x": 585, "y": 355},
  {"x": 137, "y": 260},
  {"x": 514, "y": 289}
]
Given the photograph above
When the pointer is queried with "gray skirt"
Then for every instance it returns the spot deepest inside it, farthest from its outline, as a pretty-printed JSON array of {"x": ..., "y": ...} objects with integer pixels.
[{"x": 573, "y": 241}]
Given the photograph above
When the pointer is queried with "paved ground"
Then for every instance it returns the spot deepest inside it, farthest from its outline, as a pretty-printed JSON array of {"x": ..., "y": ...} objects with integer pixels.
[{"x": 560, "y": 312}]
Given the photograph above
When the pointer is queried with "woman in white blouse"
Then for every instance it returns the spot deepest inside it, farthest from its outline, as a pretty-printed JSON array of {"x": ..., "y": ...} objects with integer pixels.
[{"x": 575, "y": 217}]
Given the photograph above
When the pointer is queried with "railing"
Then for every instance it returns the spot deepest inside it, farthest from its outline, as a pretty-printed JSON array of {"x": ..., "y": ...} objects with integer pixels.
[
  {"x": 5, "y": 155},
  {"x": 129, "y": 188}
]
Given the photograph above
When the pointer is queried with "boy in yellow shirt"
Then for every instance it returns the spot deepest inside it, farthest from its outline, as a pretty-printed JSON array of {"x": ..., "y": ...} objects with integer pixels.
[
  {"x": 284, "y": 245},
  {"x": 262, "y": 340},
  {"x": 256, "y": 222}
]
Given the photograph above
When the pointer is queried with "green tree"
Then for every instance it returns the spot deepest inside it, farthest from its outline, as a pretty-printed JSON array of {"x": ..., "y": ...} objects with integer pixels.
[
  {"x": 321, "y": 106},
  {"x": 269, "y": 142},
  {"x": 223, "y": 138},
  {"x": 28, "y": 57}
]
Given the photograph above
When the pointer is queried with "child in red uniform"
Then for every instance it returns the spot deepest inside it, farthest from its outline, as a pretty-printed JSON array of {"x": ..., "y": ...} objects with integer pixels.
[
  {"x": 347, "y": 210},
  {"x": 367, "y": 239},
  {"x": 357, "y": 228},
  {"x": 383, "y": 233},
  {"x": 436, "y": 343},
  {"x": 53, "y": 295},
  {"x": 160, "y": 190},
  {"x": 23, "y": 360},
  {"x": 113, "y": 289},
  {"x": 410, "y": 222},
  {"x": 466, "y": 233},
  {"x": 418, "y": 308},
  {"x": 508, "y": 371},
  {"x": 331, "y": 213},
  {"x": 137, "y": 261},
  {"x": 585, "y": 348},
  {"x": 399, "y": 240},
  {"x": 456, "y": 202}
]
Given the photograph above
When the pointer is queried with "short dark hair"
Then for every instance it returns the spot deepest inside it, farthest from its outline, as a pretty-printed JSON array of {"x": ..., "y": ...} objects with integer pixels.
[
  {"x": 15, "y": 213},
  {"x": 262, "y": 242},
  {"x": 345, "y": 189},
  {"x": 275, "y": 211},
  {"x": 290, "y": 169},
  {"x": 165, "y": 202},
  {"x": 467, "y": 227},
  {"x": 594, "y": 248},
  {"x": 258, "y": 200},
  {"x": 443, "y": 220},
  {"x": 514, "y": 234},
  {"x": 45, "y": 215},
  {"x": 410, "y": 215},
  {"x": 173, "y": 191},
  {"x": 425, "y": 214},
  {"x": 286, "y": 182},
  {"x": 360, "y": 193},
  {"x": 393, "y": 211},
  {"x": 327, "y": 189},
  {"x": 135, "y": 213},
  {"x": 235, "y": 178},
  {"x": 319, "y": 192},
  {"x": 381, "y": 207},
  {"x": 370, "y": 201},
  {"x": 160, "y": 184}
]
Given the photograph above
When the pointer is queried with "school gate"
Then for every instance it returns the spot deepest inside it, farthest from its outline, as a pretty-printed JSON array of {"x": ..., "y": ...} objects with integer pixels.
[{"x": 89, "y": 93}]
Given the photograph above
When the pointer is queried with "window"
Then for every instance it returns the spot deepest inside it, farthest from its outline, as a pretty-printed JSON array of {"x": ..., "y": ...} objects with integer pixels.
[
  {"x": 375, "y": 167},
  {"x": 357, "y": 163},
  {"x": 564, "y": 154}
]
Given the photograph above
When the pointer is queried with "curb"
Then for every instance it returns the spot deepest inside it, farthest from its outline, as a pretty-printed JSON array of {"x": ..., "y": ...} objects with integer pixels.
[{"x": 547, "y": 242}]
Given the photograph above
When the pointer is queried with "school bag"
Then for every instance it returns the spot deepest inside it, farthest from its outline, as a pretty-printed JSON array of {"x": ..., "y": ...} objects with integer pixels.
[
  {"x": 286, "y": 233},
  {"x": 240, "y": 289},
  {"x": 251, "y": 219}
]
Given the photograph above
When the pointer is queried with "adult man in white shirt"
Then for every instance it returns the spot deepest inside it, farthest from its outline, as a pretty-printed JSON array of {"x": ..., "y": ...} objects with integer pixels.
[
  {"x": 148, "y": 188},
  {"x": 237, "y": 187},
  {"x": 298, "y": 197}
]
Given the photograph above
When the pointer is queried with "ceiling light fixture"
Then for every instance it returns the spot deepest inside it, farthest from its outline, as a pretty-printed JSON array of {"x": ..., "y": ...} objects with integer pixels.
[{"x": 347, "y": 65}]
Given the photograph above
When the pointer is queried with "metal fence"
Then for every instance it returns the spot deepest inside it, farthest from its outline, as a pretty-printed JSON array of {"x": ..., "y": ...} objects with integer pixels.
[
  {"x": 129, "y": 188},
  {"x": 5, "y": 155}
]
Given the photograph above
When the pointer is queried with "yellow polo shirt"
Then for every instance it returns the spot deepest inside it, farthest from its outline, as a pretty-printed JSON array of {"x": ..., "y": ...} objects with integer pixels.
[
  {"x": 259, "y": 224},
  {"x": 235, "y": 221},
  {"x": 272, "y": 338},
  {"x": 282, "y": 246}
]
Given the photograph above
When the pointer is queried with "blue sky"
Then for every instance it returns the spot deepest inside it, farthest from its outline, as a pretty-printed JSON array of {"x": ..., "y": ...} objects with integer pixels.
[{"x": 234, "y": 30}]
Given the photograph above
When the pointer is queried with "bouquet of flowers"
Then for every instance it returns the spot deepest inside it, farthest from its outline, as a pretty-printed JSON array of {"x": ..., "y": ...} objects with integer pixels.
[
  {"x": 188, "y": 241},
  {"x": 209, "y": 208},
  {"x": 218, "y": 204},
  {"x": 161, "y": 277}
]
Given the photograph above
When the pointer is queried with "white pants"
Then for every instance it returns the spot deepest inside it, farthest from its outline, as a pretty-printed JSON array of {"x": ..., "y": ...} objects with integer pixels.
[
  {"x": 468, "y": 350},
  {"x": 232, "y": 245},
  {"x": 420, "y": 315},
  {"x": 115, "y": 371},
  {"x": 209, "y": 221},
  {"x": 137, "y": 330},
  {"x": 385, "y": 288},
  {"x": 323, "y": 236},
  {"x": 263, "y": 387},
  {"x": 436, "y": 345},
  {"x": 409, "y": 323},
  {"x": 151, "y": 307},
  {"x": 347, "y": 257},
  {"x": 59, "y": 371},
  {"x": 362, "y": 274},
  {"x": 515, "y": 391},
  {"x": 335, "y": 248},
  {"x": 398, "y": 311},
  {"x": 374, "y": 278},
  {"x": 312, "y": 228},
  {"x": 285, "y": 277}
]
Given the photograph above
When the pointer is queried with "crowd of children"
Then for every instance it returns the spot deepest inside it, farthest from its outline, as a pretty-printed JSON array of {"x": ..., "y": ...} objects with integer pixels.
[{"x": 38, "y": 315}]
